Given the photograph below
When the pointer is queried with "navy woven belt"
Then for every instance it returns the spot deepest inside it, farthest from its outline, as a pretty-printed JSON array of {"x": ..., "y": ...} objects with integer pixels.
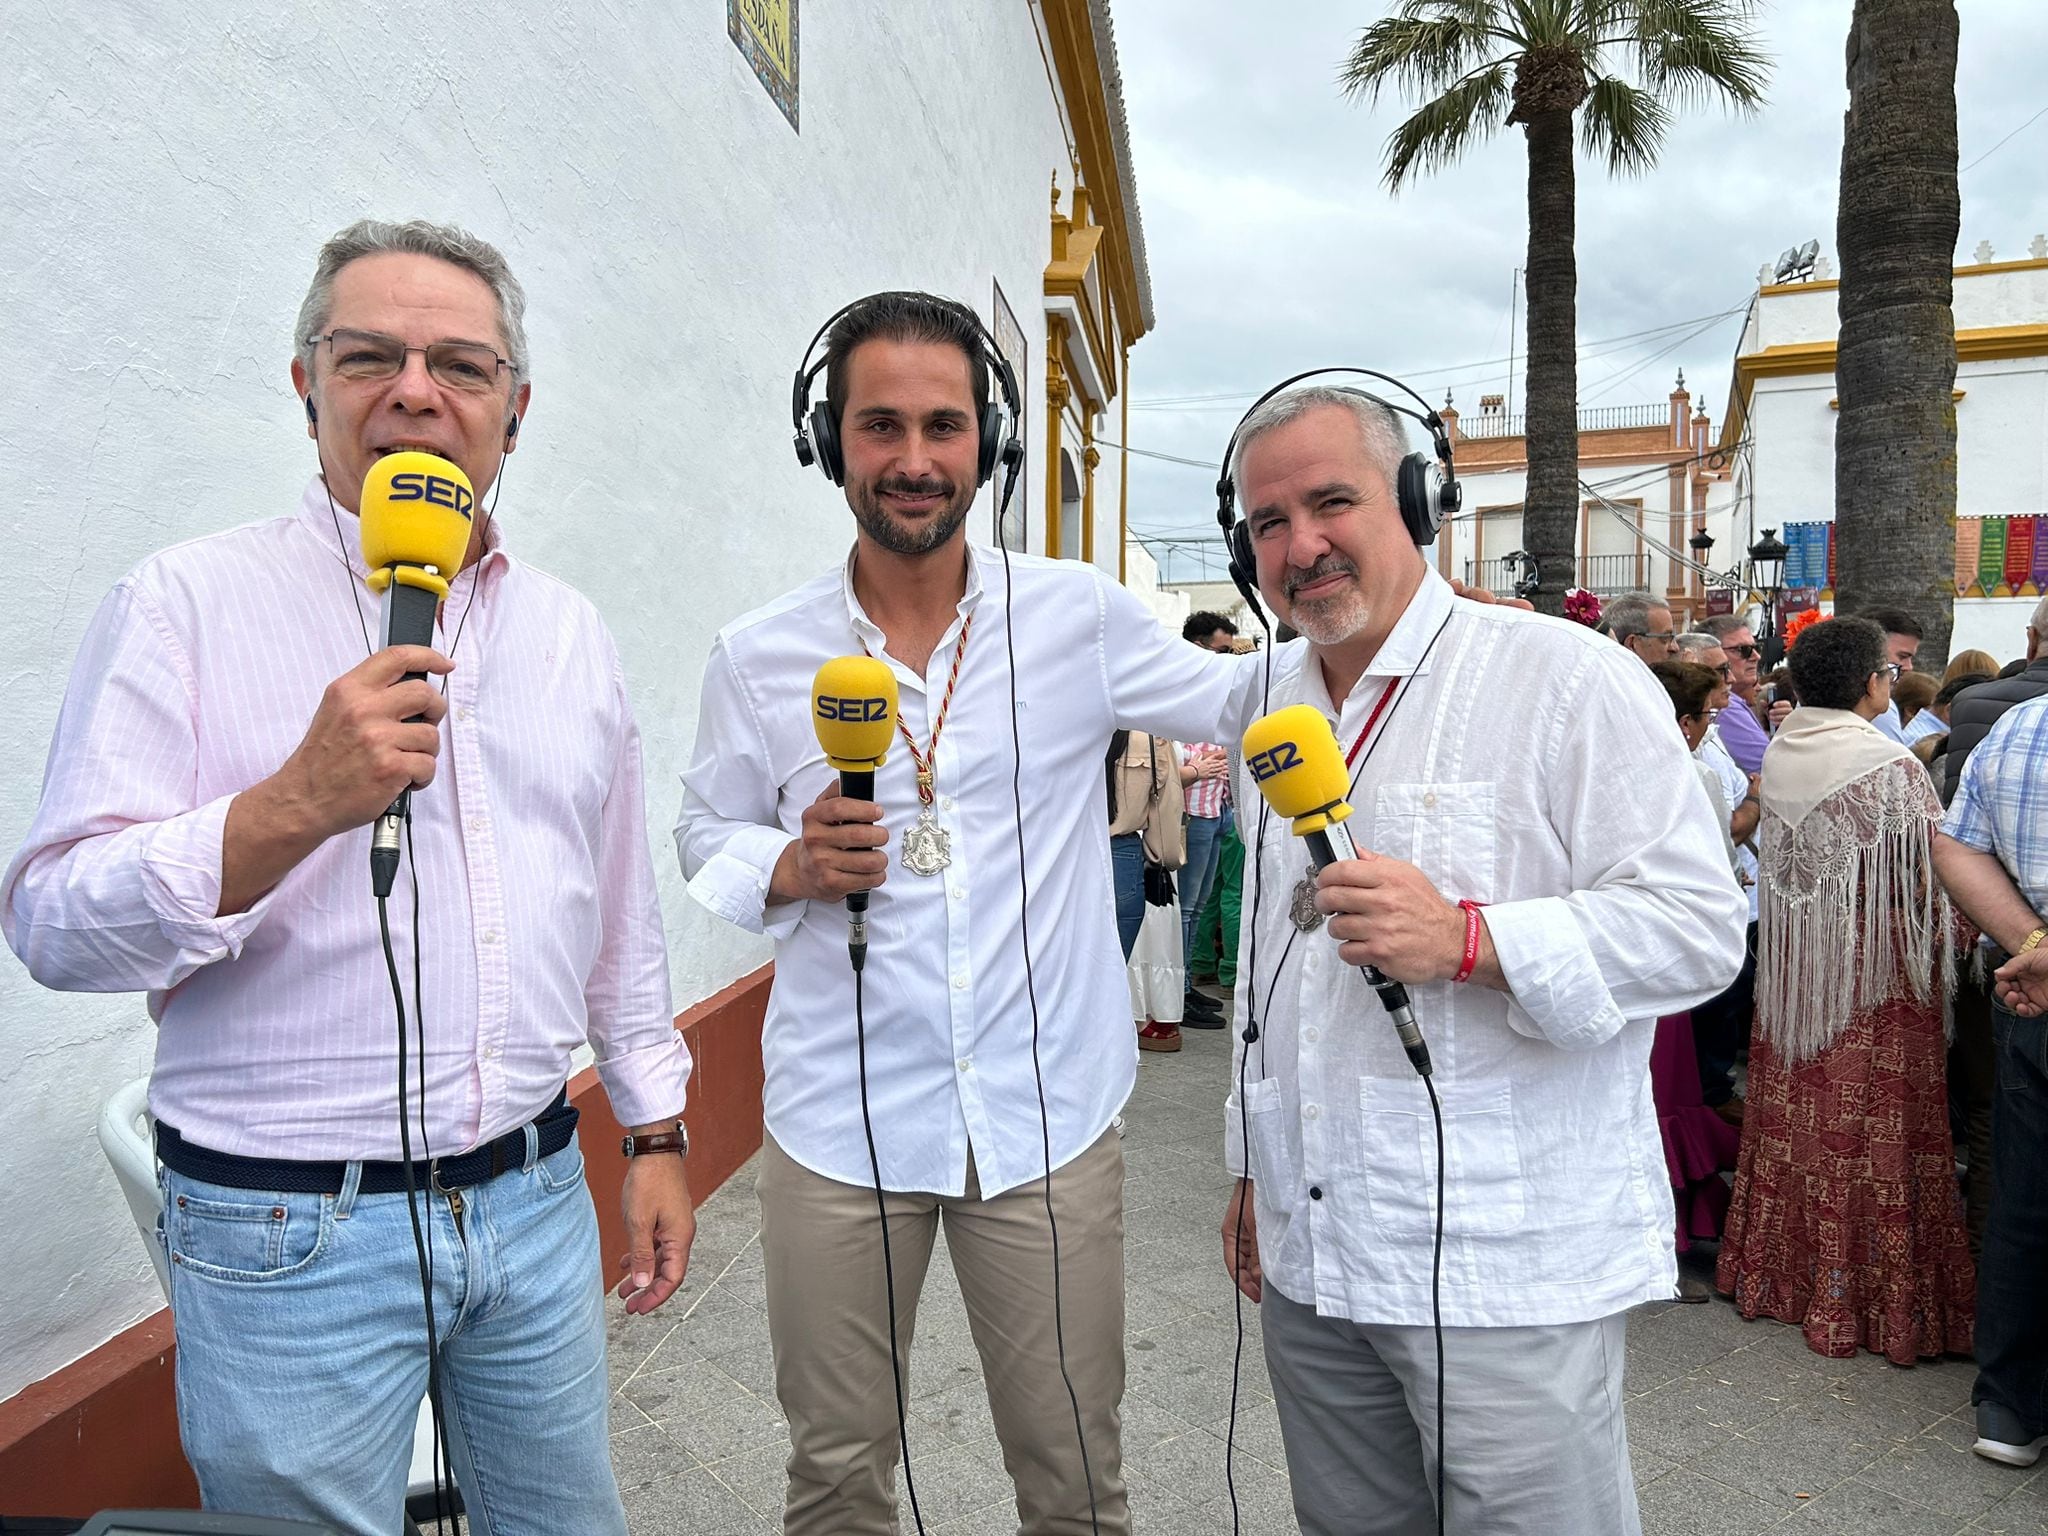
[{"x": 556, "y": 1124}]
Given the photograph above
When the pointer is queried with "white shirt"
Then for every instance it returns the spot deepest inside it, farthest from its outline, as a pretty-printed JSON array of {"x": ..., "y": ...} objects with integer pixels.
[
  {"x": 1531, "y": 765},
  {"x": 1735, "y": 789},
  {"x": 540, "y": 928},
  {"x": 1923, "y": 725},
  {"x": 949, "y": 1015},
  {"x": 1888, "y": 724}
]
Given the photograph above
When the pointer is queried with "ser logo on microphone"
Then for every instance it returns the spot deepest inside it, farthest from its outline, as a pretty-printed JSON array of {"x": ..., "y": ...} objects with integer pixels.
[
  {"x": 852, "y": 710},
  {"x": 1275, "y": 760},
  {"x": 435, "y": 490}
]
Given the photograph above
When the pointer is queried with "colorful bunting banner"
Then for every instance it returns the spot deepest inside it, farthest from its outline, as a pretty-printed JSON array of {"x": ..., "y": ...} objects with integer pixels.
[
  {"x": 1969, "y": 536},
  {"x": 2019, "y": 553},
  {"x": 1991, "y": 557}
]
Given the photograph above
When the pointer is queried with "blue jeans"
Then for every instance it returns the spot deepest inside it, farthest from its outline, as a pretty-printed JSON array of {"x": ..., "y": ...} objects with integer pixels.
[
  {"x": 1205, "y": 847},
  {"x": 2012, "y": 1276},
  {"x": 1127, "y": 867},
  {"x": 302, "y": 1350}
]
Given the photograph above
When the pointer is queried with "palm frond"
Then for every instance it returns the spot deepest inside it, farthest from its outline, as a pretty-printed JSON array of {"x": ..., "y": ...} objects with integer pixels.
[
  {"x": 1695, "y": 50},
  {"x": 1423, "y": 48},
  {"x": 1623, "y": 125},
  {"x": 1470, "y": 111}
]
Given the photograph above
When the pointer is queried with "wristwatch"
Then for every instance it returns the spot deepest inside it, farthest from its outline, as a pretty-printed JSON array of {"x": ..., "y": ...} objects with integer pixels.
[
  {"x": 677, "y": 1141},
  {"x": 2033, "y": 941}
]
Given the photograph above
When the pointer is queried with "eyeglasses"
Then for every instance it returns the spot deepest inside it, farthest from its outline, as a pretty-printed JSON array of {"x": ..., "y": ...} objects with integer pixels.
[
  {"x": 1724, "y": 669},
  {"x": 1890, "y": 669},
  {"x": 1748, "y": 652},
  {"x": 468, "y": 366}
]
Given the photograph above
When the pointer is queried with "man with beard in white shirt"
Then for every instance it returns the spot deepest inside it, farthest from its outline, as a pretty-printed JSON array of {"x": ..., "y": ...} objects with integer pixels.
[
  {"x": 998, "y": 1043},
  {"x": 1542, "y": 917}
]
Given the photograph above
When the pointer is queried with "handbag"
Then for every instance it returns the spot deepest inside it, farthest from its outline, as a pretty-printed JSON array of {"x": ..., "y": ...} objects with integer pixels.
[{"x": 1159, "y": 890}]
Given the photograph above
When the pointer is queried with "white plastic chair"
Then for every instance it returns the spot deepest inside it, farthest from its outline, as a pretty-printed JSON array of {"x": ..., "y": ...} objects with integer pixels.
[{"x": 127, "y": 1136}]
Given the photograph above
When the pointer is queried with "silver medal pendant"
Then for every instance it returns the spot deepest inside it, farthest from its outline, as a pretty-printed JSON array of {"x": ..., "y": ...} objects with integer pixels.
[
  {"x": 1307, "y": 916},
  {"x": 927, "y": 846}
]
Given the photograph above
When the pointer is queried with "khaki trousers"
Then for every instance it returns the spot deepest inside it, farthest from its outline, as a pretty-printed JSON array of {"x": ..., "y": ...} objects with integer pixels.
[{"x": 829, "y": 1325}]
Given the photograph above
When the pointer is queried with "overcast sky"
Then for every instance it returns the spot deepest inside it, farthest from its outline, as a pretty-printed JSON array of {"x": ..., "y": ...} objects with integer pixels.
[{"x": 1274, "y": 245}]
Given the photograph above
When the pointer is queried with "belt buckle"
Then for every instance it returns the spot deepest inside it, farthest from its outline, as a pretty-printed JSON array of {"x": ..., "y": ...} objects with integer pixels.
[{"x": 434, "y": 1177}]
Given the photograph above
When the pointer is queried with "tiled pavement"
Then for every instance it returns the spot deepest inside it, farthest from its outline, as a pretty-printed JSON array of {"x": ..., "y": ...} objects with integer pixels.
[{"x": 1735, "y": 1427}]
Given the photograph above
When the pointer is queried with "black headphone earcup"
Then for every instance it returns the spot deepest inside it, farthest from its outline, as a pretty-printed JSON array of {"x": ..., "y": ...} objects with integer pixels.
[
  {"x": 1239, "y": 543},
  {"x": 1422, "y": 510},
  {"x": 825, "y": 442},
  {"x": 991, "y": 442}
]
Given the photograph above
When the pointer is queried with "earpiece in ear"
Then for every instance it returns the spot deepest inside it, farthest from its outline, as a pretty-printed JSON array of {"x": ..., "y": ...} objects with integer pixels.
[
  {"x": 512, "y": 427},
  {"x": 311, "y": 414}
]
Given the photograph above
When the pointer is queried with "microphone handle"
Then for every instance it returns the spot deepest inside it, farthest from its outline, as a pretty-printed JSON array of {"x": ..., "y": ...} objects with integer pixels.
[
  {"x": 857, "y": 784},
  {"x": 406, "y": 618},
  {"x": 1330, "y": 846}
]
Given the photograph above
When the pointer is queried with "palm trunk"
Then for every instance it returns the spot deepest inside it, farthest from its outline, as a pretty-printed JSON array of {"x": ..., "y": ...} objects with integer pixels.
[
  {"x": 1550, "y": 504},
  {"x": 1895, "y": 370}
]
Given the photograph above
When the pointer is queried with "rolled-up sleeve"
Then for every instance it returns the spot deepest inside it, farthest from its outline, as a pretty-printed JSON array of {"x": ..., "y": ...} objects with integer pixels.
[
  {"x": 729, "y": 834},
  {"x": 1654, "y": 922},
  {"x": 641, "y": 1057},
  {"x": 117, "y": 884}
]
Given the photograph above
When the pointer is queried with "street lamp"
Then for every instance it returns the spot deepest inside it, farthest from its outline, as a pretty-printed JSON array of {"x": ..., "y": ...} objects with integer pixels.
[
  {"x": 1702, "y": 545},
  {"x": 1767, "y": 558}
]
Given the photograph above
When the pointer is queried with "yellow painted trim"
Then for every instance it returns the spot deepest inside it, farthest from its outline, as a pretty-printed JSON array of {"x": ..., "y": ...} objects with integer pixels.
[
  {"x": 1072, "y": 35},
  {"x": 1090, "y": 457},
  {"x": 1983, "y": 269},
  {"x": 1056, "y": 393},
  {"x": 1992, "y": 343},
  {"x": 1123, "y": 481}
]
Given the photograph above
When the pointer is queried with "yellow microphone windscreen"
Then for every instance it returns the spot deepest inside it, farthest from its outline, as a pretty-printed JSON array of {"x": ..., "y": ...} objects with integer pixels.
[
  {"x": 853, "y": 708},
  {"x": 416, "y": 516},
  {"x": 1297, "y": 765}
]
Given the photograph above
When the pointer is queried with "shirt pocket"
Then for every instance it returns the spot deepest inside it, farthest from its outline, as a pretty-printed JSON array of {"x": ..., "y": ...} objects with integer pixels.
[
  {"x": 1448, "y": 831},
  {"x": 1483, "y": 1190}
]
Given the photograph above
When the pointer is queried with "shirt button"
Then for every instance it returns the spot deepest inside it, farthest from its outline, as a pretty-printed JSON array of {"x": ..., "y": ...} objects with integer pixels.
[
  {"x": 490, "y": 935},
  {"x": 1315, "y": 1191},
  {"x": 959, "y": 893},
  {"x": 476, "y": 823},
  {"x": 965, "y": 1063},
  {"x": 959, "y": 983},
  {"x": 1310, "y": 1035},
  {"x": 1429, "y": 801},
  {"x": 464, "y": 713},
  {"x": 947, "y": 802},
  {"x": 1310, "y": 1112}
]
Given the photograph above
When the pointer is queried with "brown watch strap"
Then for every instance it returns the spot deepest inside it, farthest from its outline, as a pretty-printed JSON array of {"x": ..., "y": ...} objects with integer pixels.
[{"x": 677, "y": 1141}]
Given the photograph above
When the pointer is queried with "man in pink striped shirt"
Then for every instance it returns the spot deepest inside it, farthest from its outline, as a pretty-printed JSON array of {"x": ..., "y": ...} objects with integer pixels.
[{"x": 203, "y": 836}]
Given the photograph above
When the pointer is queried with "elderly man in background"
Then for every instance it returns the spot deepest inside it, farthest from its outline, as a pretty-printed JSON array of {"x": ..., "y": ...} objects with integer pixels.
[
  {"x": 204, "y": 836},
  {"x": 1643, "y": 625},
  {"x": 1742, "y": 728}
]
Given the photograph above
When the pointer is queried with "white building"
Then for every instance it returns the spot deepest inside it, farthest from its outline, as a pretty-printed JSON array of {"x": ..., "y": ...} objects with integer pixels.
[
  {"x": 686, "y": 192},
  {"x": 1780, "y": 434}
]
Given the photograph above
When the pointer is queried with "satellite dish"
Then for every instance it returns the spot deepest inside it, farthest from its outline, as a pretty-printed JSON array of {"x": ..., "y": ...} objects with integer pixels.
[{"x": 1786, "y": 263}]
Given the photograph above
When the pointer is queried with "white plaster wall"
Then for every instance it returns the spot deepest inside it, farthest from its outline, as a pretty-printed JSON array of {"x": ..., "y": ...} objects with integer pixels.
[
  {"x": 1792, "y": 429},
  {"x": 169, "y": 176},
  {"x": 1994, "y": 624}
]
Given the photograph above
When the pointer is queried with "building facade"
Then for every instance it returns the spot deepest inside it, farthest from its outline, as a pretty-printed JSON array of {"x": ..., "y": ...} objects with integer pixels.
[{"x": 1779, "y": 435}]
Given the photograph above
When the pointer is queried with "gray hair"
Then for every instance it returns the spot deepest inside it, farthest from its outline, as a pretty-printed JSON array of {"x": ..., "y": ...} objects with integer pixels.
[
  {"x": 415, "y": 237},
  {"x": 1697, "y": 643},
  {"x": 2038, "y": 623},
  {"x": 1386, "y": 441},
  {"x": 1722, "y": 625},
  {"x": 1629, "y": 614}
]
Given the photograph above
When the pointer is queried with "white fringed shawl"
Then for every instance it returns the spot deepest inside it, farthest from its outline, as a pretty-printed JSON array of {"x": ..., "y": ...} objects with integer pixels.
[{"x": 1849, "y": 914}]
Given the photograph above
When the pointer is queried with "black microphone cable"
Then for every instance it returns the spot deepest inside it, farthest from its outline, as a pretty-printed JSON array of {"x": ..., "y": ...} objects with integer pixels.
[{"x": 1031, "y": 985}]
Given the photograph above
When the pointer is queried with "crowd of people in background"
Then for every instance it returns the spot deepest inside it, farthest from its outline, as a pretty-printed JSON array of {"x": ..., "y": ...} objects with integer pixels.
[{"x": 1884, "y": 824}]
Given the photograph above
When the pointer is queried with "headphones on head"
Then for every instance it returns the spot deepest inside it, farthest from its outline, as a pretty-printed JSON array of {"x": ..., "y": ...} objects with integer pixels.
[
  {"x": 817, "y": 426},
  {"x": 1426, "y": 490}
]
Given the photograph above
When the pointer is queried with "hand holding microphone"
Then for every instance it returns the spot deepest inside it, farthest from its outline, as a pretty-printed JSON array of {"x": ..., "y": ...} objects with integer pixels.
[
  {"x": 853, "y": 710},
  {"x": 1299, "y": 768}
]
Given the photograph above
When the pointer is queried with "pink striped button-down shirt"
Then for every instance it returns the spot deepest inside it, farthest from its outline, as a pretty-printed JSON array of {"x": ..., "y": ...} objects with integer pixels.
[{"x": 538, "y": 920}]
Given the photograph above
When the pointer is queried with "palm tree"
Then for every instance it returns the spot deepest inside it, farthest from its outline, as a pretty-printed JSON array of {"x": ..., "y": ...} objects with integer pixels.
[
  {"x": 1480, "y": 65},
  {"x": 1895, "y": 363}
]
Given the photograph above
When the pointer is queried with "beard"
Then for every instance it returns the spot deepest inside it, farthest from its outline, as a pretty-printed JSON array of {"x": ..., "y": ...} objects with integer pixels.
[
  {"x": 1327, "y": 620},
  {"x": 900, "y": 538}
]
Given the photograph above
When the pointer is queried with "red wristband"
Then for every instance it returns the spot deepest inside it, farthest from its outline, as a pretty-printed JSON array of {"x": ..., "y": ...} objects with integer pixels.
[{"x": 1471, "y": 962}]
